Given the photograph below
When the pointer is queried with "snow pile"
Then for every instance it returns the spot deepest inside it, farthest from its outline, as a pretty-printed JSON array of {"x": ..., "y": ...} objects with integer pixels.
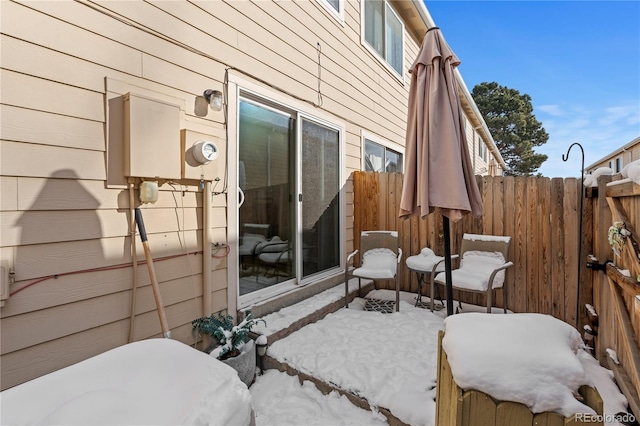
[
  {"x": 481, "y": 237},
  {"x": 425, "y": 260},
  {"x": 526, "y": 358},
  {"x": 389, "y": 359},
  {"x": 285, "y": 317},
  {"x": 280, "y": 399},
  {"x": 591, "y": 180},
  {"x": 154, "y": 382},
  {"x": 632, "y": 171},
  {"x": 343, "y": 339},
  {"x": 613, "y": 400}
]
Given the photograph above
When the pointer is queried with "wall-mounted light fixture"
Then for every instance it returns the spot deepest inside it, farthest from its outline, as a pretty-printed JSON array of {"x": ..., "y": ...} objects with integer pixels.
[
  {"x": 214, "y": 97},
  {"x": 209, "y": 99}
]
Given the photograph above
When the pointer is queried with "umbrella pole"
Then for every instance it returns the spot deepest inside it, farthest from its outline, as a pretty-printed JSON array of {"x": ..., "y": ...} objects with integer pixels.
[{"x": 447, "y": 264}]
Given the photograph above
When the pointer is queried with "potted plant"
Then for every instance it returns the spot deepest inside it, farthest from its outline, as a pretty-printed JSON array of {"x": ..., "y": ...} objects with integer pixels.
[{"x": 231, "y": 343}]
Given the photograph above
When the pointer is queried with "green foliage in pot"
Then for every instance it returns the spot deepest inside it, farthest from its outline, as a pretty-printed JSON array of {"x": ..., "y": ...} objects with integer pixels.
[{"x": 227, "y": 336}]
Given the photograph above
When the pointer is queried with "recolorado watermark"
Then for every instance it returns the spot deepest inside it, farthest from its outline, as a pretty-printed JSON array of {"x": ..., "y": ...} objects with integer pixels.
[{"x": 624, "y": 418}]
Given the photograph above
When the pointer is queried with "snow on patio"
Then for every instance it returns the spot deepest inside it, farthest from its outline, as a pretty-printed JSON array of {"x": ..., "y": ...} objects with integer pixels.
[{"x": 388, "y": 359}]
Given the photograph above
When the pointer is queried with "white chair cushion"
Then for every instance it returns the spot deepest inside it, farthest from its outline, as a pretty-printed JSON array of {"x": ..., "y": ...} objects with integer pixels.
[
  {"x": 249, "y": 243},
  {"x": 475, "y": 270},
  {"x": 424, "y": 261},
  {"x": 379, "y": 263},
  {"x": 268, "y": 257}
]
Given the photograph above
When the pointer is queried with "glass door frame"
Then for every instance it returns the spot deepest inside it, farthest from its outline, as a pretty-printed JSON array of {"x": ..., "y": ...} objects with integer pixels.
[
  {"x": 301, "y": 116},
  {"x": 245, "y": 90}
]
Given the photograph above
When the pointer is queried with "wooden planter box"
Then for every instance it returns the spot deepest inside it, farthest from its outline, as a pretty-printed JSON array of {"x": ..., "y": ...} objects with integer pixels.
[{"x": 455, "y": 407}]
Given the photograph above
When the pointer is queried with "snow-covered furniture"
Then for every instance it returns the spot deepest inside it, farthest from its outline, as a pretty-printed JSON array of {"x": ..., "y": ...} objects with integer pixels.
[
  {"x": 484, "y": 259},
  {"x": 426, "y": 264},
  {"x": 150, "y": 382},
  {"x": 521, "y": 369},
  {"x": 274, "y": 254},
  {"x": 253, "y": 235},
  {"x": 379, "y": 260}
]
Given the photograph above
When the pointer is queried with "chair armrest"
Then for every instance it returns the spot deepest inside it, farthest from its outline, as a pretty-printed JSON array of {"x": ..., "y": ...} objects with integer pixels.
[
  {"x": 435, "y": 266},
  {"x": 399, "y": 254},
  {"x": 495, "y": 271},
  {"x": 351, "y": 257}
]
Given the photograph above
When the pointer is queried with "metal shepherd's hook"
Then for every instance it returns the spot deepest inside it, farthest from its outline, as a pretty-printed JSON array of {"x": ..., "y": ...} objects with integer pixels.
[{"x": 565, "y": 158}]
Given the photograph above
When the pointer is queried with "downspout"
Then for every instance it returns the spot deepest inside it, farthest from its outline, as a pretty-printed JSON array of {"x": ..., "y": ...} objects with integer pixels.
[
  {"x": 134, "y": 259},
  {"x": 206, "y": 250}
]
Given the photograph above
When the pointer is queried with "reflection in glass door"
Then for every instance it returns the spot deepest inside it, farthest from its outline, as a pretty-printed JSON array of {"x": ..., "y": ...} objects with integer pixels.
[
  {"x": 267, "y": 237},
  {"x": 321, "y": 197},
  {"x": 289, "y": 171}
]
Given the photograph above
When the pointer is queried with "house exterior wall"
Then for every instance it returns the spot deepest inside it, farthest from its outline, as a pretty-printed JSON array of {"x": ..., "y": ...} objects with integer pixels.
[
  {"x": 626, "y": 154},
  {"x": 65, "y": 213}
]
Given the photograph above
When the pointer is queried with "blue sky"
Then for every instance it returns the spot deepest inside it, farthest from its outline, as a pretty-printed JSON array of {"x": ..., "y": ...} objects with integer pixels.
[{"x": 578, "y": 60}]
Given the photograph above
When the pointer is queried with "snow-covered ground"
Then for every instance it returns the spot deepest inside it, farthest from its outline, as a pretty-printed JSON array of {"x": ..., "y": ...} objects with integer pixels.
[{"x": 389, "y": 359}]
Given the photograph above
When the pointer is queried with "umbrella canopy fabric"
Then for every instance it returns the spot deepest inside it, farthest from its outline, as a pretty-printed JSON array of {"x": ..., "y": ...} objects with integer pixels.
[{"x": 438, "y": 170}]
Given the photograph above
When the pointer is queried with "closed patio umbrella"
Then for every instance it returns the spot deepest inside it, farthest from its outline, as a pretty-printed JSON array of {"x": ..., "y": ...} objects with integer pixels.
[{"x": 438, "y": 170}]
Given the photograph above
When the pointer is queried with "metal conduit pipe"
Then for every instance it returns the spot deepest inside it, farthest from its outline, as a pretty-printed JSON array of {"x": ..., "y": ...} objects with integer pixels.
[
  {"x": 134, "y": 259},
  {"x": 206, "y": 250}
]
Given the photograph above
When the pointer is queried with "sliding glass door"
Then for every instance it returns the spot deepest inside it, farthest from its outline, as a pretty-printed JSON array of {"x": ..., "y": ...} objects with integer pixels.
[
  {"x": 320, "y": 182},
  {"x": 289, "y": 174}
]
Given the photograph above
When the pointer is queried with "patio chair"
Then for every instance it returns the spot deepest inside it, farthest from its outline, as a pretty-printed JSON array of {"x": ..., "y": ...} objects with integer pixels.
[
  {"x": 380, "y": 258},
  {"x": 254, "y": 234},
  {"x": 275, "y": 254},
  {"x": 484, "y": 259},
  {"x": 424, "y": 264}
]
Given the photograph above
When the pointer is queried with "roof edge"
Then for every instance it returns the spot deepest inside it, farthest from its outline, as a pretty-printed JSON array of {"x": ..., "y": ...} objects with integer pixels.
[{"x": 615, "y": 153}]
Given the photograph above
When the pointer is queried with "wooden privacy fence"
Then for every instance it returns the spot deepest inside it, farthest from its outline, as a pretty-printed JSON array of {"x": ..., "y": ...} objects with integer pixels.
[
  {"x": 616, "y": 296},
  {"x": 540, "y": 214}
]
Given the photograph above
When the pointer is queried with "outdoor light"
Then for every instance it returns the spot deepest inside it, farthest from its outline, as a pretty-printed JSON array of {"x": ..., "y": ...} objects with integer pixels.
[
  {"x": 214, "y": 97},
  {"x": 261, "y": 344},
  {"x": 589, "y": 333}
]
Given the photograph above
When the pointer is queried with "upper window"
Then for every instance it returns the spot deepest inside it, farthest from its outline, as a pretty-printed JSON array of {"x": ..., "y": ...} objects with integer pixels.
[
  {"x": 384, "y": 32},
  {"x": 336, "y": 7},
  {"x": 618, "y": 168},
  {"x": 378, "y": 158}
]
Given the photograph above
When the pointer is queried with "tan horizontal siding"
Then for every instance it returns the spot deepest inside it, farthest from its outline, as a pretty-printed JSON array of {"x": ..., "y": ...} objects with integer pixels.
[
  {"x": 44, "y": 128},
  {"x": 8, "y": 193},
  {"x": 61, "y": 89},
  {"x": 41, "y": 260},
  {"x": 77, "y": 287},
  {"x": 36, "y": 93},
  {"x": 26, "y": 159},
  {"x": 67, "y": 194},
  {"x": 57, "y": 35}
]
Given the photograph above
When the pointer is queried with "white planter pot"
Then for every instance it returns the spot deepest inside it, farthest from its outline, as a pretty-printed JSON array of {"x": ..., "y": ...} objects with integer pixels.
[{"x": 245, "y": 363}]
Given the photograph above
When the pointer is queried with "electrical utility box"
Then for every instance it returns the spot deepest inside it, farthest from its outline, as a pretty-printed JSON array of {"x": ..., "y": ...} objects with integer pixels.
[{"x": 151, "y": 138}]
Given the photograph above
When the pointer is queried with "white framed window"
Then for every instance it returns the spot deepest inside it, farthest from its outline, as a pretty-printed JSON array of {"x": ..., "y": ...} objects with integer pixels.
[
  {"x": 618, "y": 163},
  {"x": 381, "y": 156},
  {"x": 383, "y": 33},
  {"x": 335, "y": 7}
]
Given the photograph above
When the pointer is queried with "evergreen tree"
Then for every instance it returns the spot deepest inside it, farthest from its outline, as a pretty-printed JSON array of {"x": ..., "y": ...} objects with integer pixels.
[{"x": 509, "y": 117}]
